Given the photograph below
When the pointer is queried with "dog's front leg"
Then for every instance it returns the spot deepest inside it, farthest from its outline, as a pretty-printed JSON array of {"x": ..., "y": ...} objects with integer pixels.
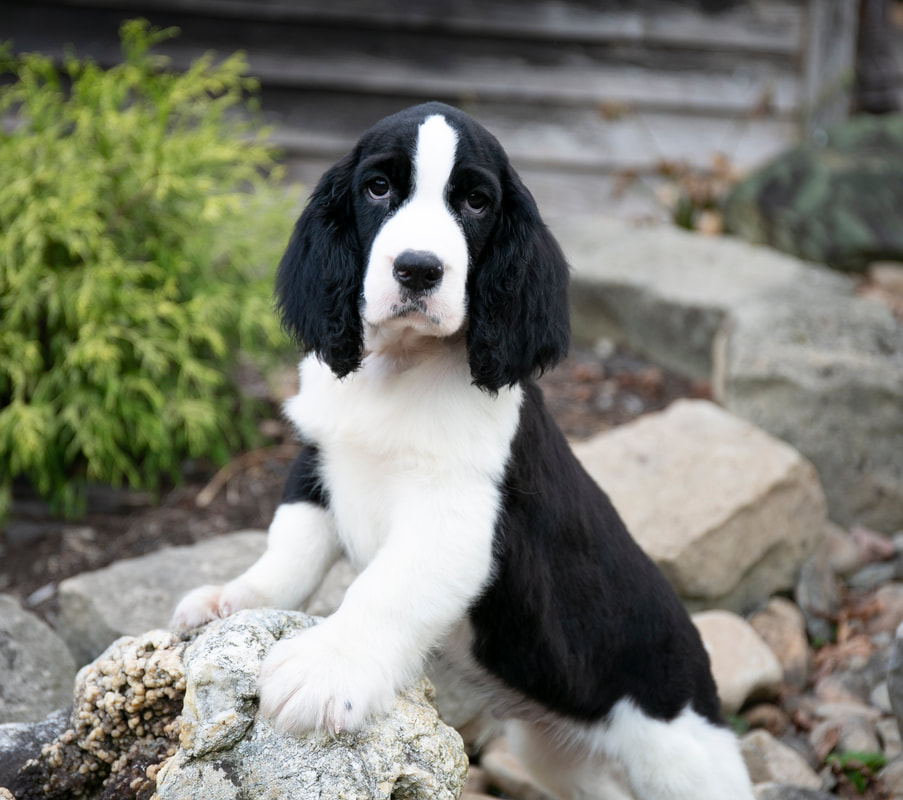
[
  {"x": 301, "y": 546},
  {"x": 420, "y": 583}
]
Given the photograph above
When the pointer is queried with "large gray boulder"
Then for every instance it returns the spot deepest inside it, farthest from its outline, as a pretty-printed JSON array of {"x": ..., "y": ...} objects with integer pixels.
[
  {"x": 824, "y": 372},
  {"x": 228, "y": 753},
  {"x": 139, "y": 594},
  {"x": 36, "y": 668},
  {"x": 727, "y": 512},
  {"x": 665, "y": 292}
]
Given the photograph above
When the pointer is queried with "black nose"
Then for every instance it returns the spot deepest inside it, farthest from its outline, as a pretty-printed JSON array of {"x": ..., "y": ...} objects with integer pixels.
[{"x": 417, "y": 270}]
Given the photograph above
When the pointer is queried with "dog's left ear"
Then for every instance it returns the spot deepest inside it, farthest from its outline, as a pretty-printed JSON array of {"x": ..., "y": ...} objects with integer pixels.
[
  {"x": 320, "y": 277},
  {"x": 518, "y": 296}
]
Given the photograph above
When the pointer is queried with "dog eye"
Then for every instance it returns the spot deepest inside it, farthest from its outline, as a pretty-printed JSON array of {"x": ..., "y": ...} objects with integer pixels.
[
  {"x": 378, "y": 188},
  {"x": 476, "y": 202}
]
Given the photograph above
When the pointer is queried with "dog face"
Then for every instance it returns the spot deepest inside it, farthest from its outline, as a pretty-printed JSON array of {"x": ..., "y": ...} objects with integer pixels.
[{"x": 424, "y": 229}]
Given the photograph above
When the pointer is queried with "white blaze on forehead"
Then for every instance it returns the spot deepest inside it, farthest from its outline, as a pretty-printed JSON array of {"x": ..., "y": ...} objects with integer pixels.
[
  {"x": 423, "y": 222},
  {"x": 434, "y": 158}
]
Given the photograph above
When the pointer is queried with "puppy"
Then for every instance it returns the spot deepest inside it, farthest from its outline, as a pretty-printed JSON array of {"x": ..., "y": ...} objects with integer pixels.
[{"x": 429, "y": 293}]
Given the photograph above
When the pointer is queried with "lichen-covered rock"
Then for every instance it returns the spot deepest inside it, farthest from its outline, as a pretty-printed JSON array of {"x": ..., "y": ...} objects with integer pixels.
[
  {"x": 227, "y": 752},
  {"x": 124, "y": 722},
  {"x": 837, "y": 200}
]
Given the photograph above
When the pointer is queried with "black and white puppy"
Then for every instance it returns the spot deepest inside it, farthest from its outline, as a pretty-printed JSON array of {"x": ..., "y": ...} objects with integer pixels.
[{"x": 429, "y": 293}]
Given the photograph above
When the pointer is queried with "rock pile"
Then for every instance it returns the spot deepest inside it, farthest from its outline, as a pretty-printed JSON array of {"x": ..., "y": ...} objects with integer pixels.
[{"x": 159, "y": 717}]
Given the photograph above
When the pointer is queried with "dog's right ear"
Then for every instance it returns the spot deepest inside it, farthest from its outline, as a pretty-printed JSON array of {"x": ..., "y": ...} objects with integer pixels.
[{"x": 320, "y": 278}]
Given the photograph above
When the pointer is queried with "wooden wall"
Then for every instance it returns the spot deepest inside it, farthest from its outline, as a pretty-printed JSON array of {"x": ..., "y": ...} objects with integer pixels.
[{"x": 591, "y": 99}]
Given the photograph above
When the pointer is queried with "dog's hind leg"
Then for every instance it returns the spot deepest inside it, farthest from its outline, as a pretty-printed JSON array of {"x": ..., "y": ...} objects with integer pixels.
[
  {"x": 632, "y": 756},
  {"x": 687, "y": 758}
]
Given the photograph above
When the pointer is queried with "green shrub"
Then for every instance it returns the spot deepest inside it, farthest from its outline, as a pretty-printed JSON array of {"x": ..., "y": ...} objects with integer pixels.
[{"x": 140, "y": 224}]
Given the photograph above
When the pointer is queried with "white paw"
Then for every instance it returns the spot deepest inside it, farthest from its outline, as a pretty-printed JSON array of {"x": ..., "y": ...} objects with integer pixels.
[
  {"x": 207, "y": 603},
  {"x": 312, "y": 682}
]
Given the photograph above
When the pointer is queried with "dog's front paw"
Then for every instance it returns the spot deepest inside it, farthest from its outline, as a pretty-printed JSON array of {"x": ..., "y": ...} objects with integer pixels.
[
  {"x": 207, "y": 603},
  {"x": 313, "y": 682}
]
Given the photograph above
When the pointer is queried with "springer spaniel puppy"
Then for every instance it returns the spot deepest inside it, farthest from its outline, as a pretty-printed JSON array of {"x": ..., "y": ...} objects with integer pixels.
[{"x": 429, "y": 293}]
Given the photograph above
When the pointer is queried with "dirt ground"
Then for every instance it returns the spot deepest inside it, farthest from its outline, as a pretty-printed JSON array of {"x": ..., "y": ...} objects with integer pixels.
[{"x": 588, "y": 393}]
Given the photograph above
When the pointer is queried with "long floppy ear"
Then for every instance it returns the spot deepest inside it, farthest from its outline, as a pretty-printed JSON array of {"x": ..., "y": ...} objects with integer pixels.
[
  {"x": 320, "y": 277},
  {"x": 518, "y": 296}
]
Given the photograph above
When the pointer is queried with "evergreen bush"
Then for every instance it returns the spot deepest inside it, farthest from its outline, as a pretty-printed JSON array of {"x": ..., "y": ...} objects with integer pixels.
[{"x": 140, "y": 225}]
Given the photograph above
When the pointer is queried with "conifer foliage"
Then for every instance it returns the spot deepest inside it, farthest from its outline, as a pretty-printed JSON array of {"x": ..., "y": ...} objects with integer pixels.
[{"x": 140, "y": 225}]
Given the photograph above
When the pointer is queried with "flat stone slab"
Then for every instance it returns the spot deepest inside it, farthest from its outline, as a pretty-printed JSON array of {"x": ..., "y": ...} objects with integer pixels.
[
  {"x": 139, "y": 594},
  {"x": 727, "y": 512},
  {"x": 36, "y": 668},
  {"x": 665, "y": 291}
]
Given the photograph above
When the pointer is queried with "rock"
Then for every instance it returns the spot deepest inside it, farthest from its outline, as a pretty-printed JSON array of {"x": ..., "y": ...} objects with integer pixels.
[
  {"x": 818, "y": 597},
  {"x": 891, "y": 777},
  {"x": 124, "y": 722},
  {"x": 823, "y": 371},
  {"x": 743, "y": 666},
  {"x": 843, "y": 553},
  {"x": 227, "y": 751},
  {"x": 783, "y": 791},
  {"x": 871, "y": 576},
  {"x": 36, "y": 668},
  {"x": 768, "y": 760},
  {"x": 783, "y": 628},
  {"x": 891, "y": 741},
  {"x": 769, "y": 717},
  {"x": 139, "y": 594},
  {"x": 890, "y": 615},
  {"x": 665, "y": 292},
  {"x": 20, "y": 741},
  {"x": 507, "y": 775},
  {"x": 895, "y": 677},
  {"x": 836, "y": 200},
  {"x": 727, "y": 512}
]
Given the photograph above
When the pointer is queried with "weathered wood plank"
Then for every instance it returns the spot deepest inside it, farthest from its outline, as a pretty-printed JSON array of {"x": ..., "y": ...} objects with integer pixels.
[{"x": 762, "y": 26}]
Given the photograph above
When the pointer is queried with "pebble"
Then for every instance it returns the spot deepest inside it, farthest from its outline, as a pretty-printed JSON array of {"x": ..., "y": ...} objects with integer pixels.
[
  {"x": 768, "y": 759},
  {"x": 782, "y": 626},
  {"x": 818, "y": 596},
  {"x": 743, "y": 665},
  {"x": 890, "y": 614}
]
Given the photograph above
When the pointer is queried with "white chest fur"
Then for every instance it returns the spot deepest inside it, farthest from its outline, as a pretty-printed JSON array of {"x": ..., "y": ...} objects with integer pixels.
[{"x": 421, "y": 448}]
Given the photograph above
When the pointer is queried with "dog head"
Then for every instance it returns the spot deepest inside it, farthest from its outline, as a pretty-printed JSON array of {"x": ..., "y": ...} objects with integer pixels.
[{"x": 425, "y": 230}]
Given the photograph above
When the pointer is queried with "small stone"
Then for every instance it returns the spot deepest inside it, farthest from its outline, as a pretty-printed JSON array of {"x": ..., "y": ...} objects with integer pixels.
[
  {"x": 769, "y": 717},
  {"x": 872, "y": 576},
  {"x": 783, "y": 791},
  {"x": 743, "y": 665},
  {"x": 508, "y": 775},
  {"x": 843, "y": 553},
  {"x": 895, "y": 677},
  {"x": 818, "y": 597},
  {"x": 767, "y": 759},
  {"x": 892, "y": 777},
  {"x": 889, "y": 734},
  {"x": 477, "y": 781},
  {"x": 880, "y": 698},
  {"x": 890, "y": 615},
  {"x": 846, "y": 734},
  {"x": 782, "y": 626}
]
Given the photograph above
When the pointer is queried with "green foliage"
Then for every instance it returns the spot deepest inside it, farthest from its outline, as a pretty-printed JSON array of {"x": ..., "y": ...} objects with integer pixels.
[
  {"x": 140, "y": 224},
  {"x": 855, "y": 768}
]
